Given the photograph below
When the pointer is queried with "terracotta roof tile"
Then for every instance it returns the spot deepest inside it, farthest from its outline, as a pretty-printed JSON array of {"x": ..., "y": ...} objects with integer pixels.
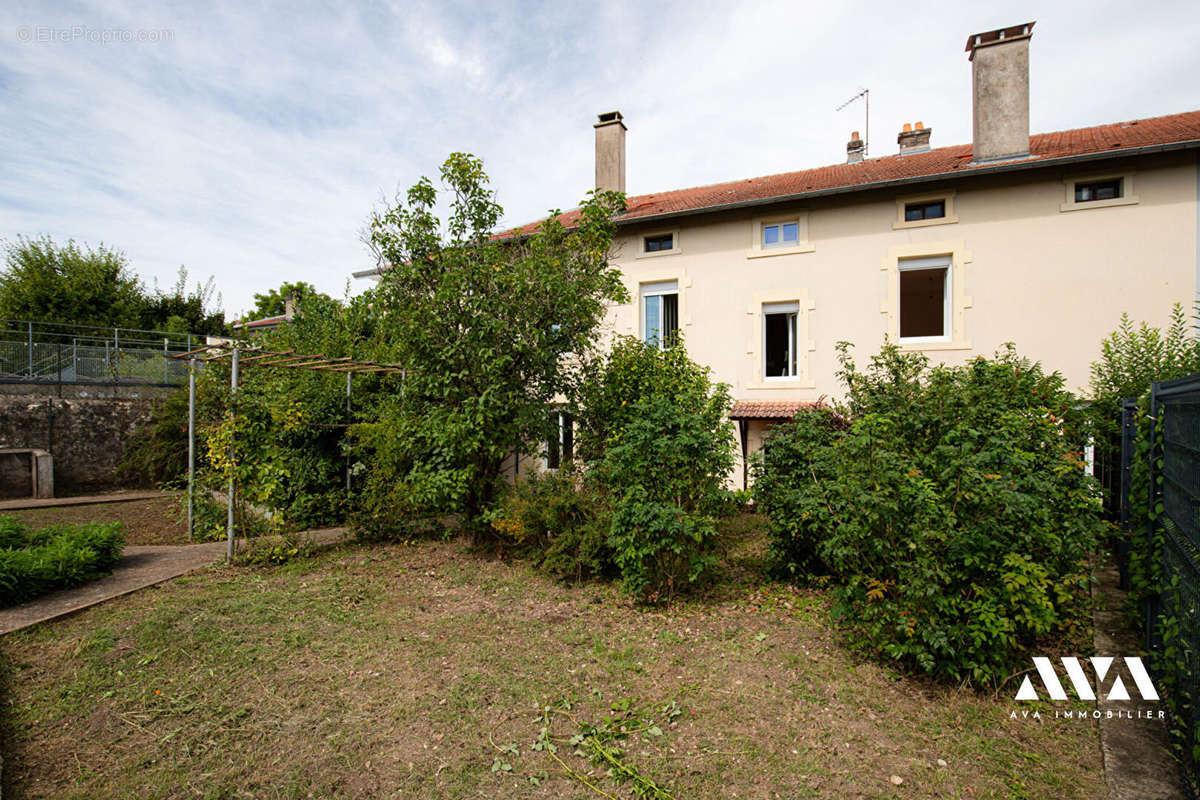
[
  {"x": 767, "y": 409},
  {"x": 940, "y": 162}
]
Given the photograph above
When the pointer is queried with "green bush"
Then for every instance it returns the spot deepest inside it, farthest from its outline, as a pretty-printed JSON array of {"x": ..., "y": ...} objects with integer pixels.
[
  {"x": 558, "y": 520},
  {"x": 953, "y": 512},
  {"x": 660, "y": 446},
  {"x": 55, "y": 557}
]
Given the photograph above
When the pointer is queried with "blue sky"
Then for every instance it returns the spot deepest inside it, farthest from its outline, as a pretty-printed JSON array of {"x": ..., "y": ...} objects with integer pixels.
[{"x": 250, "y": 141}]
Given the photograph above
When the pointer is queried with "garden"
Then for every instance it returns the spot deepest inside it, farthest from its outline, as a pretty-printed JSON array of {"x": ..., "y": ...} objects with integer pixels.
[{"x": 623, "y": 625}]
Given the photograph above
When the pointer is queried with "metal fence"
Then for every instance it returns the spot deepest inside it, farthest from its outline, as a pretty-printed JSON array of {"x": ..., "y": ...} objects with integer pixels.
[
  {"x": 47, "y": 352},
  {"x": 1173, "y": 617}
]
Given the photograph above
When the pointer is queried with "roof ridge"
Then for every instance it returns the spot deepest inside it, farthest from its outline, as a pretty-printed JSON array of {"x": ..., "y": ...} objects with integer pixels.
[{"x": 877, "y": 159}]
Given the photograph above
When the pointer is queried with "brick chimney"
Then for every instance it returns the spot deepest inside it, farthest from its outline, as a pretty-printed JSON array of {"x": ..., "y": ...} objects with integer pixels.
[
  {"x": 854, "y": 149},
  {"x": 610, "y": 152},
  {"x": 914, "y": 138},
  {"x": 1000, "y": 72}
]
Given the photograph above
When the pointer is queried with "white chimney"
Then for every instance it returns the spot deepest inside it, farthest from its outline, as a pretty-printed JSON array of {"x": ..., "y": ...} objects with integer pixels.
[
  {"x": 1000, "y": 71},
  {"x": 610, "y": 152}
]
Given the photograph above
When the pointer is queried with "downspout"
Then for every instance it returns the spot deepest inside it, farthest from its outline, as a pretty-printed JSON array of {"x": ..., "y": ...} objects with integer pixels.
[{"x": 1197, "y": 278}]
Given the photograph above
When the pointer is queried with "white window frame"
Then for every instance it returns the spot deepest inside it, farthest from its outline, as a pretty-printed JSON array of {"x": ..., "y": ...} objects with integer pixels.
[
  {"x": 675, "y": 243},
  {"x": 791, "y": 310},
  {"x": 657, "y": 289},
  {"x": 559, "y": 413},
  {"x": 781, "y": 242},
  {"x": 1127, "y": 198},
  {"x": 757, "y": 233},
  {"x": 927, "y": 263}
]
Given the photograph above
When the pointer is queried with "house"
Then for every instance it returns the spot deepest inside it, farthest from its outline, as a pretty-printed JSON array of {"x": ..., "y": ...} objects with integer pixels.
[
  {"x": 242, "y": 327},
  {"x": 1042, "y": 240}
]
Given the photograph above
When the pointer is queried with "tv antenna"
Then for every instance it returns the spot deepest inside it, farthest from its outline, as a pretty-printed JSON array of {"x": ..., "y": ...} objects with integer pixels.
[{"x": 865, "y": 94}]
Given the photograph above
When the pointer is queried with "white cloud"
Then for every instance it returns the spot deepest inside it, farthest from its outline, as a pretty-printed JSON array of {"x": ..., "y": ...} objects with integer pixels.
[{"x": 253, "y": 144}]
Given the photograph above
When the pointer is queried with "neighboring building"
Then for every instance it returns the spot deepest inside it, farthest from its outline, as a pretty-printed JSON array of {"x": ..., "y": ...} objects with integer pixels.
[
  {"x": 257, "y": 326},
  {"x": 1039, "y": 240}
]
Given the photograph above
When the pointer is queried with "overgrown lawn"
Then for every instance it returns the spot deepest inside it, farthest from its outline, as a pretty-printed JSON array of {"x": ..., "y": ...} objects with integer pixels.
[{"x": 409, "y": 670}]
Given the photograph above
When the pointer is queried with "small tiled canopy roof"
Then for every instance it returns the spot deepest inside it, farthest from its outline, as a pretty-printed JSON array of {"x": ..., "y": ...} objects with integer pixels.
[
  {"x": 767, "y": 409},
  {"x": 942, "y": 163}
]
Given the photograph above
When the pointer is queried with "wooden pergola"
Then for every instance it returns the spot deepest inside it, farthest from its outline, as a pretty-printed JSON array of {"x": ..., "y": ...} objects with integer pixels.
[{"x": 239, "y": 355}]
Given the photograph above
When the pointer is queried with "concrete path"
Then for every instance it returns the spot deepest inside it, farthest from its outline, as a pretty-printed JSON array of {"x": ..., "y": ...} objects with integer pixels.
[
  {"x": 84, "y": 500},
  {"x": 139, "y": 567},
  {"x": 1138, "y": 764}
]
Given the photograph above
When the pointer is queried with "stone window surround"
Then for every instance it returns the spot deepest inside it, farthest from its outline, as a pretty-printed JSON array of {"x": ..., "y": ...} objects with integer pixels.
[
  {"x": 755, "y": 333},
  {"x": 959, "y": 256},
  {"x": 803, "y": 242},
  {"x": 946, "y": 197},
  {"x": 1127, "y": 198}
]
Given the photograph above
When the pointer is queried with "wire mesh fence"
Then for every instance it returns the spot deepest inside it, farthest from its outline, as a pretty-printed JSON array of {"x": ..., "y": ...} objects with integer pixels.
[
  {"x": 45, "y": 352},
  {"x": 1173, "y": 617}
]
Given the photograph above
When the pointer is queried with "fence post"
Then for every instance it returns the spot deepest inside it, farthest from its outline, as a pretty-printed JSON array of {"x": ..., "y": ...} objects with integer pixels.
[
  {"x": 30, "y": 326},
  {"x": 1156, "y": 412},
  {"x": 116, "y": 363},
  {"x": 164, "y": 359}
]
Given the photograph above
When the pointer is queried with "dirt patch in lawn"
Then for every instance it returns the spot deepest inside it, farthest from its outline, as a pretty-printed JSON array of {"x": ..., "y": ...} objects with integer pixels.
[
  {"x": 408, "y": 670},
  {"x": 155, "y": 521}
]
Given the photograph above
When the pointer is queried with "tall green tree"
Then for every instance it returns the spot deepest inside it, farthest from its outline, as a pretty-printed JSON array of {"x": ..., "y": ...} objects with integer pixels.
[
  {"x": 47, "y": 282},
  {"x": 182, "y": 311},
  {"x": 272, "y": 303},
  {"x": 487, "y": 327}
]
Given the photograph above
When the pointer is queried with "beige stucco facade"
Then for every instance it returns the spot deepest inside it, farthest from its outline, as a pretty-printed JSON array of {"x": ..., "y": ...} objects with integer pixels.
[{"x": 1027, "y": 267}]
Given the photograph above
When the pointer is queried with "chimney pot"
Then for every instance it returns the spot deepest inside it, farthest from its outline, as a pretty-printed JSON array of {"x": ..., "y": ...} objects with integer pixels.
[
  {"x": 855, "y": 149},
  {"x": 914, "y": 139},
  {"x": 1000, "y": 98},
  {"x": 610, "y": 151}
]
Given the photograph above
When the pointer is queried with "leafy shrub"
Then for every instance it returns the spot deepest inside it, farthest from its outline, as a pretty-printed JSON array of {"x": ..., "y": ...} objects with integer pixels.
[
  {"x": 655, "y": 428},
  {"x": 156, "y": 453},
  {"x": 55, "y": 557},
  {"x": 558, "y": 520},
  {"x": 953, "y": 511}
]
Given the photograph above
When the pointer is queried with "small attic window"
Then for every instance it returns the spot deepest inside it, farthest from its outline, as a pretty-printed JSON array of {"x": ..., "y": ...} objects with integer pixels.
[
  {"x": 1098, "y": 190},
  {"x": 914, "y": 212},
  {"x": 658, "y": 243}
]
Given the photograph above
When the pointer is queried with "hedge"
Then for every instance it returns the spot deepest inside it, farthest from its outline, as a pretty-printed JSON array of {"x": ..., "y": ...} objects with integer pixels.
[{"x": 33, "y": 563}]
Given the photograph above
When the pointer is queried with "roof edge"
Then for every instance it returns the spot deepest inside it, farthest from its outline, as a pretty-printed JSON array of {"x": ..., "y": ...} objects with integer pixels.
[{"x": 1018, "y": 165}]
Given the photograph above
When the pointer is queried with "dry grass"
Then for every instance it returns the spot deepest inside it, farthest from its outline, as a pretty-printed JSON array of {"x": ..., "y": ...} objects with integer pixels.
[
  {"x": 155, "y": 521},
  {"x": 390, "y": 671}
]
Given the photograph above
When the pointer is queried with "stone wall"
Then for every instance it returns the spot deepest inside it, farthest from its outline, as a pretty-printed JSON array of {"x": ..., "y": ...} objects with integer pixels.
[{"x": 84, "y": 428}]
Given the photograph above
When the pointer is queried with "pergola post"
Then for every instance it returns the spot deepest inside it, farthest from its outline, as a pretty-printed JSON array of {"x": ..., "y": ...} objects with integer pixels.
[
  {"x": 233, "y": 382},
  {"x": 348, "y": 374},
  {"x": 191, "y": 497}
]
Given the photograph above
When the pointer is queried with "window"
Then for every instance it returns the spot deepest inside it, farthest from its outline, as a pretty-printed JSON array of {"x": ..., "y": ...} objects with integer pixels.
[
  {"x": 914, "y": 212},
  {"x": 658, "y": 243},
  {"x": 660, "y": 313},
  {"x": 560, "y": 448},
  {"x": 920, "y": 210},
  {"x": 925, "y": 299},
  {"x": 779, "y": 339},
  {"x": 780, "y": 234},
  {"x": 1098, "y": 190}
]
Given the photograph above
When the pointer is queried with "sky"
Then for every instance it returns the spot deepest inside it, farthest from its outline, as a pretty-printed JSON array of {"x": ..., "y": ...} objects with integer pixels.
[{"x": 250, "y": 141}]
